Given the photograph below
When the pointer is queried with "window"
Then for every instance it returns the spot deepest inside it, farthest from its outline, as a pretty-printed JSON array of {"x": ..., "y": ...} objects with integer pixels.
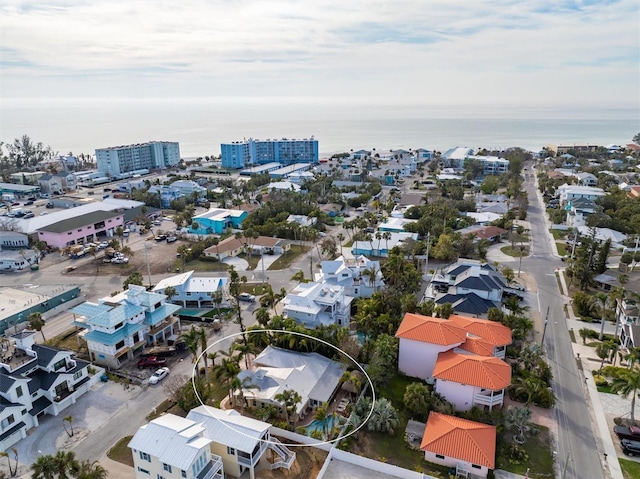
[
  {"x": 166, "y": 467},
  {"x": 439, "y": 456},
  {"x": 120, "y": 345},
  {"x": 77, "y": 375},
  {"x": 143, "y": 470},
  {"x": 19, "y": 391},
  {"x": 158, "y": 476},
  {"x": 59, "y": 365},
  {"x": 231, "y": 451},
  {"x": 184, "y": 473},
  {"x": 475, "y": 466},
  {"x": 145, "y": 457},
  {"x": 8, "y": 421}
]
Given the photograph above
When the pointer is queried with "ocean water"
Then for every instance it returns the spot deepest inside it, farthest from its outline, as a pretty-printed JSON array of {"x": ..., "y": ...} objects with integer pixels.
[{"x": 200, "y": 126}]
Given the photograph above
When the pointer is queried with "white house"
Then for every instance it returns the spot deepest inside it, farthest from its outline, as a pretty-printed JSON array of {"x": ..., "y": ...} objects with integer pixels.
[
  {"x": 302, "y": 220},
  {"x": 193, "y": 291},
  {"x": 467, "y": 380},
  {"x": 381, "y": 246},
  {"x": 394, "y": 224},
  {"x": 568, "y": 192},
  {"x": 36, "y": 380},
  {"x": 578, "y": 210},
  {"x": 314, "y": 377},
  {"x": 628, "y": 321},
  {"x": 353, "y": 274},
  {"x": 587, "y": 179},
  {"x": 173, "y": 447},
  {"x": 422, "y": 339},
  {"x": 313, "y": 304},
  {"x": 241, "y": 442},
  {"x": 467, "y": 446}
]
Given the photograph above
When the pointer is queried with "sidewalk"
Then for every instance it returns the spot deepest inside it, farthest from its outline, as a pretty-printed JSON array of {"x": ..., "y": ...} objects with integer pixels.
[{"x": 604, "y": 407}]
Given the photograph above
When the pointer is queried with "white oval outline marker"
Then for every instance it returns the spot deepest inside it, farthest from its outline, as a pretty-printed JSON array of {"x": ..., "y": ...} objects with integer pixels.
[{"x": 195, "y": 390}]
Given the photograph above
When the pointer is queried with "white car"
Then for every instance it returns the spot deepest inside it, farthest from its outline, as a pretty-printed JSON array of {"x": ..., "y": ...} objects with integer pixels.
[
  {"x": 247, "y": 297},
  {"x": 159, "y": 375}
]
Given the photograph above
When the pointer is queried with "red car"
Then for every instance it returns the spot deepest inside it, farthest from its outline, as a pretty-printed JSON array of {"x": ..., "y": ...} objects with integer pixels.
[{"x": 151, "y": 362}]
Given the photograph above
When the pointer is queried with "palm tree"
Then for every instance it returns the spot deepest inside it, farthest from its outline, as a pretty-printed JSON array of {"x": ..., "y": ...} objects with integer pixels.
[
  {"x": 384, "y": 417},
  {"x": 603, "y": 350},
  {"x": 202, "y": 340},
  {"x": 216, "y": 298},
  {"x": 289, "y": 399},
  {"x": 226, "y": 372},
  {"x": 603, "y": 301},
  {"x": 36, "y": 322},
  {"x": 170, "y": 292},
  {"x": 371, "y": 274},
  {"x": 68, "y": 419},
  {"x": 192, "y": 342},
  {"x": 352, "y": 381},
  {"x": 262, "y": 316},
  {"x": 517, "y": 419},
  {"x": 628, "y": 382},
  {"x": 298, "y": 276},
  {"x": 91, "y": 470},
  {"x": 321, "y": 414},
  {"x": 340, "y": 238},
  {"x": 13, "y": 471}
]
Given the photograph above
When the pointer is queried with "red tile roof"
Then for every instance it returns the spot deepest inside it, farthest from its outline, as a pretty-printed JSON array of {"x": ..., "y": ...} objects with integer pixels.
[
  {"x": 480, "y": 371},
  {"x": 478, "y": 346},
  {"x": 430, "y": 330},
  {"x": 465, "y": 440},
  {"x": 491, "y": 332}
]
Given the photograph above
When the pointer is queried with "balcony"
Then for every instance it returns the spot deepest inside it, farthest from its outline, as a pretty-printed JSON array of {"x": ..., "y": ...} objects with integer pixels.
[
  {"x": 213, "y": 469},
  {"x": 489, "y": 398}
]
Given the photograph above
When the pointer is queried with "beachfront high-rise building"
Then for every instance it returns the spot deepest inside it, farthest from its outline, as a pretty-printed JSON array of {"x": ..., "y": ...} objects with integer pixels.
[
  {"x": 115, "y": 160},
  {"x": 251, "y": 152}
]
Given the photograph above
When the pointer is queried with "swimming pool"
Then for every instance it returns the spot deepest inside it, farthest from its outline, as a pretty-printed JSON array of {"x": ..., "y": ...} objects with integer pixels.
[{"x": 317, "y": 425}]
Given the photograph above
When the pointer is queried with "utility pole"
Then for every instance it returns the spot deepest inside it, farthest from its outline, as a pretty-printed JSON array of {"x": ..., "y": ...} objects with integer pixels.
[
  {"x": 262, "y": 261},
  {"x": 146, "y": 255},
  {"x": 546, "y": 323},
  {"x": 426, "y": 264}
]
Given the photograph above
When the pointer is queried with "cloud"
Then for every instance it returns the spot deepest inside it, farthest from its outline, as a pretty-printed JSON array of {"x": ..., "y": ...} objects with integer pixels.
[{"x": 408, "y": 50}]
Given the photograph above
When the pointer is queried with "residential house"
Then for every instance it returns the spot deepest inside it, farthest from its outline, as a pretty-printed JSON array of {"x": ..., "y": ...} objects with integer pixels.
[
  {"x": 381, "y": 246},
  {"x": 628, "y": 320},
  {"x": 360, "y": 277},
  {"x": 49, "y": 183},
  {"x": 192, "y": 291},
  {"x": 490, "y": 233},
  {"x": 421, "y": 340},
  {"x": 314, "y": 304},
  {"x": 450, "y": 351},
  {"x": 218, "y": 221},
  {"x": 314, "y": 377},
  {"x": 173, "y": 447},
  {"x": 233, "y": 246},
  {"x": 68, "y": 180},
  {"x": 118, "y": 327},
  {"x": 189, "y": 188},
  {"x": 483, "y": 218},
  {"x": 167, "y": 193},
  {"x": 568, "y": 193},
  {"x": 302, "y": 220},
  {"x": 395, "y": 225},
  {"x": 423, "y": 155},
  {"x": 587, "y": 179},
  {"x": 578, "y": 210},
  {"x": 467, "y": 380},
  {"x": 467, "y": 446},
  {"x": 36, "y": 380},
  {"x": 468, "y": 276},
  {"x": 81, "y": 229},
  {"x": 603, "y": 234}
]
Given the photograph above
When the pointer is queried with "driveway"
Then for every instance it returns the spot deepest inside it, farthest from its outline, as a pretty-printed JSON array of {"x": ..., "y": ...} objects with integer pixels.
[{"x": 238, "y": 263}]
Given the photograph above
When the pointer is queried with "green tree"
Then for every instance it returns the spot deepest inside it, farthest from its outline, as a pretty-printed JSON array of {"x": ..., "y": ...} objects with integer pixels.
[
  {"x": 13, "y": 469},
  {"x": 37, "y": 322},
  {"x": 384, "y": 417},
  {"x": 289, "y": 400},
  {"x": 417, "y": 401},
  {"x": 490, "y": 184},
  {"x": 192, "y": 342},
  {"x": 65, "y": 420},
  {"x": 134, "y": 278},
  {"x": 518, "y": 419},
  {"x": 90, "y": 470},
  {"x": 170, "y": 292},
  {"x": 627, "y": 383}
]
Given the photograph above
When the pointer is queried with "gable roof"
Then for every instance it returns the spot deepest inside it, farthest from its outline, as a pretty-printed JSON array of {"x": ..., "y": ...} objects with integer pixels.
[
  {"x": 469, "y": 441},
  {"x": 482, "y": 371},
  {"x": 430, "y": 330},
  {"x": 469, "y": 303},
  {"x": 491, "y": 332}
]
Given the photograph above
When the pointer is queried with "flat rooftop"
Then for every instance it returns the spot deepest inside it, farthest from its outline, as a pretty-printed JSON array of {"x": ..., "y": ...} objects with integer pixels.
[
  {"x": 256, "y": 170},
  {"x": 292, "y": 168},
  {"x": 15, "y": 300},
  {"x": 345, "y": 470}
]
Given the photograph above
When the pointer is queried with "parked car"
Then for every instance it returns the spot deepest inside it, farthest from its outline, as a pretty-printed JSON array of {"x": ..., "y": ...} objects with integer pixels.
[
  {"x": 161, "y": 238},
  {"x": 49, "y": 205},
  {"x": 626, "y": 432},
  {"x": 151, "y": 362},
  {"x": 159, "y": 375},
  {"x": 32, "y": 198},
  {"x": 103, "y": 245},
  {"x": 28, "y": 203},
  {"x": 247, "y": 297},
  {"x": 171, "y": 239},
  {"x": 29, "y": 215},
  {"x": 630, "y": 448}
]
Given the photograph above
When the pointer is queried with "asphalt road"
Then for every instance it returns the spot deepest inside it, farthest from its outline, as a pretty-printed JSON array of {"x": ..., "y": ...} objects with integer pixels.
[{"x": 577, "y": 454}]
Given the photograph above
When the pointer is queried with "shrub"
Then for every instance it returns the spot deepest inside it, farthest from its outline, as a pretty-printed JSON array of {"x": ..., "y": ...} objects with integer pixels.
[
  {"x": 600, "y": 380},
  {"x": 517, "y": 454}
]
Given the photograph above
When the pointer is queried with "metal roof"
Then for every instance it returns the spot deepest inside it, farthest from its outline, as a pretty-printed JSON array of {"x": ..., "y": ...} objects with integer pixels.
[{"x": 79, "y": 221}]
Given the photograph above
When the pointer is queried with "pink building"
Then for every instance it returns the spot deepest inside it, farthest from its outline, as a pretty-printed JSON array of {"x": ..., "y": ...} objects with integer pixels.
[{"x": 90, "y": 227}]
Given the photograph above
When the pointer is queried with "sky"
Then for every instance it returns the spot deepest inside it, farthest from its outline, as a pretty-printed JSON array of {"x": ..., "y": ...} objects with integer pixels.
[{"x": 493, "y": 53}]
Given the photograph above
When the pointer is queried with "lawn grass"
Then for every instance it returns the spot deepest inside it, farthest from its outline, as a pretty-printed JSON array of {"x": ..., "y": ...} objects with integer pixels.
[
  {"x": 606, "y": 389},
  {"x": 120, "y": 452},
  {"x": 539, "y": 449},
  {"x": 630, "y": 469},
  {"x": 558, "y": 234},
  {"x": 562, "y": 248},
  {"x": 515, "y": 252},
  {"x": 257, "y": 289},
  {"x": 252, "y": 260},
  {"x": 199, "y": 265},
  {"x": 287, "y": 259}
]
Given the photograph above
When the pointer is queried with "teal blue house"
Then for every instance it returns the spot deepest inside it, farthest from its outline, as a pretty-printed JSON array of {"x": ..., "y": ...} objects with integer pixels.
[{"x": 217, "y": 221}]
